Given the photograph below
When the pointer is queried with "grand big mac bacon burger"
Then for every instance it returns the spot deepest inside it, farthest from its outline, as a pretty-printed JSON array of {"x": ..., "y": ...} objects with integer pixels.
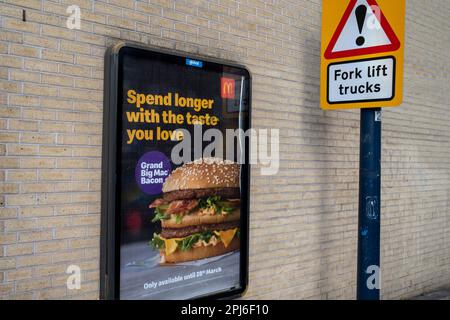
[{"x": 199, "y": 211}]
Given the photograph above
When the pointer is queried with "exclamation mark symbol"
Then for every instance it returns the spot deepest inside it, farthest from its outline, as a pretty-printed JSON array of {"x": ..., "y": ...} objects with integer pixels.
[{"x": 360, "y": 13}]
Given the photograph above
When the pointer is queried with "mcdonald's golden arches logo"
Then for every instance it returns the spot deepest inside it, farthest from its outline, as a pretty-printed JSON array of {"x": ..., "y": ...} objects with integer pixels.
[{"x": 227, "y": 90}]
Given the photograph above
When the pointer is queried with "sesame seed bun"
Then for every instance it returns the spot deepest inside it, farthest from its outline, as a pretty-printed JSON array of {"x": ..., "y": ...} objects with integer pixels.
[
  {"x": 200, "y": 252},
  {"x": 195, "y": 220},
  {"x": 203, "y": 174}
]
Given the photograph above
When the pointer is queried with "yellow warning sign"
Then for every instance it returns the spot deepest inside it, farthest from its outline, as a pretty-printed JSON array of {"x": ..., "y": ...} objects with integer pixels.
[{"x": 362, "y": 53}]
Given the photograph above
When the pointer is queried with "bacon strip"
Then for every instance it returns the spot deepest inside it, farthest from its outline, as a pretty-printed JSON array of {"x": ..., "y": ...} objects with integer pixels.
[
  {"x": 178, "y": 206},
  {"x": 181, "y": 206},
  {"x": 157, "y": 203}
]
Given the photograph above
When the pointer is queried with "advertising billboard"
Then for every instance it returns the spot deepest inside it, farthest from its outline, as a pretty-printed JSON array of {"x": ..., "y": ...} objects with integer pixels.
[{"x": 175, "y": 176}]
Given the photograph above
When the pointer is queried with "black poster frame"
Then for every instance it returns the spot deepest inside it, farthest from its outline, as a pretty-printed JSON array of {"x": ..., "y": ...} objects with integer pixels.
[{"x": 110, "y": 217}]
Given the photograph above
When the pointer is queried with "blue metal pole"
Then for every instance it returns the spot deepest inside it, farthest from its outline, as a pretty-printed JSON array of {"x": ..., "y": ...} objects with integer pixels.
[{"x": 368, "y": 269}]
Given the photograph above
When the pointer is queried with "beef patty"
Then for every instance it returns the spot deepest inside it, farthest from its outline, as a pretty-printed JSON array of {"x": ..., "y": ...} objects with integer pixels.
[
  {"x": 226, "y": 193},
  {"x": 184, "y": 232}
]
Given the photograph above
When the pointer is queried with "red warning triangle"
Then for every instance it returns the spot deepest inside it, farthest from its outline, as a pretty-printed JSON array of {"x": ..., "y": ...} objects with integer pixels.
[{"x": 355, "y": 37}]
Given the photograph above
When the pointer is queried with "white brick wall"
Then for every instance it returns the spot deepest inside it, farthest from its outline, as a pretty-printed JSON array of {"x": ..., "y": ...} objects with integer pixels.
[{"x": 303, "y": 237}]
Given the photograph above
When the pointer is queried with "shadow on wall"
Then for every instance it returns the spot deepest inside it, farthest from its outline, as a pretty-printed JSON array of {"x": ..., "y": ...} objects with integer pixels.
[
  {"x": 328, "y": 237},
  {"x": 311, "y": 66}
]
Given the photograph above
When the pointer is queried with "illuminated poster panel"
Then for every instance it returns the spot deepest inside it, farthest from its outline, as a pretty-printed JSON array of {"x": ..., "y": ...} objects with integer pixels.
[{"x": 174, "y": 190}]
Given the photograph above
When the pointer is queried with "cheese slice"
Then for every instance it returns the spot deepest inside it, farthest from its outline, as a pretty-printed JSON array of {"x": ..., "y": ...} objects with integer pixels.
[
  {"x": 226, "y": 236},
  {"x": 170, "y": 245}
]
